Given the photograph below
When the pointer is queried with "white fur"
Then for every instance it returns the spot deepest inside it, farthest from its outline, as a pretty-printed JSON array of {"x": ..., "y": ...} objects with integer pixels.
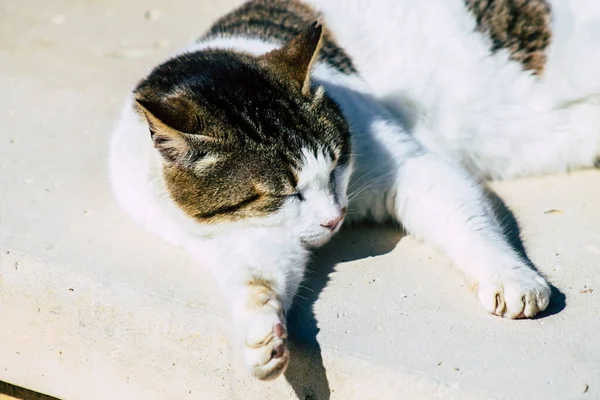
[
  {"x": 427, "y": 62},
  {"x": 430, "y": 101}
]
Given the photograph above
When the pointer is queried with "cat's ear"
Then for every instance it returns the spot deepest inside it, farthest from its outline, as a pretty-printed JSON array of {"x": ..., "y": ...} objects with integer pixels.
[
  {"x": 173, "y": 145},
  {"x": 295, "y": 59}
]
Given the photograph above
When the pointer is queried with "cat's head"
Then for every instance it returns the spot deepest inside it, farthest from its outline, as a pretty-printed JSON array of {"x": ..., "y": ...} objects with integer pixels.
[{"x": 247, "y": 139}]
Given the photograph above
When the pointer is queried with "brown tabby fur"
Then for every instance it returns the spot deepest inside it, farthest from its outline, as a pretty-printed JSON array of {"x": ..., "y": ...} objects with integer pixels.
[
  {"x": 520, "y": 26},
  {"x": 281, "y": 20}
]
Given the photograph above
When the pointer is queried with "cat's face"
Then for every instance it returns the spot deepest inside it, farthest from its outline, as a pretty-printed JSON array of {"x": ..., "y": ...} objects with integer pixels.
[{"x": 245, "y": 140}]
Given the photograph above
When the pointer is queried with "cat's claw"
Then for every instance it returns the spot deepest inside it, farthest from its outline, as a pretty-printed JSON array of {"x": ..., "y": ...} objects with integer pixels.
[
  {"x": 268, "y": 357},
  {"x": 519, "y": 293}
]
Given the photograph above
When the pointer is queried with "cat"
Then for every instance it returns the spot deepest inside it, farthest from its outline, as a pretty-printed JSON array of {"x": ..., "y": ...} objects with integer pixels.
[{"x": 286, "y": 119}]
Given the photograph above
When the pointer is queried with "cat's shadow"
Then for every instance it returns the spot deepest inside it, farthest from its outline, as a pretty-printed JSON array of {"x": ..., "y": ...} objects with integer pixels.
[{"x": 306, "y": 372}]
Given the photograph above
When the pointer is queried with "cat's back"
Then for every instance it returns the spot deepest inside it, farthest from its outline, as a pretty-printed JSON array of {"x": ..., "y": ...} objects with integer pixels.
[
  {"x": 420, "y": 47},
  {"x": 508, "y": 88},
  {"x": 463, "y": 47}
]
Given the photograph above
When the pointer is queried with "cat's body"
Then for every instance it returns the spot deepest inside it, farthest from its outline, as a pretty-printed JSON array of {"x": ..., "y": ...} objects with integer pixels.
[
  {"x": 251, "y": 162},
  {"x": 429, "y": 61}
]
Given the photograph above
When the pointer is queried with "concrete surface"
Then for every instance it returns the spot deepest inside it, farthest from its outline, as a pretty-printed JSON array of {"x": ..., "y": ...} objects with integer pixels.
[{"x": 91, "y": 306}]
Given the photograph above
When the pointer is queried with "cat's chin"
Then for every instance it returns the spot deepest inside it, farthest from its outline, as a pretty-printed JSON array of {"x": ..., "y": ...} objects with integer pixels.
[
  {"x": 315, "y": 242},
  {"x": 319, "y": 240}
]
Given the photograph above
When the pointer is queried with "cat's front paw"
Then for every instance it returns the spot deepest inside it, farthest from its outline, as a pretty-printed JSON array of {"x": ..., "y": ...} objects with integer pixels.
[
  {"x": 265, "y": 352},
  {"x": 262, "y": 327},
  {"x": 518, "y": 293}
]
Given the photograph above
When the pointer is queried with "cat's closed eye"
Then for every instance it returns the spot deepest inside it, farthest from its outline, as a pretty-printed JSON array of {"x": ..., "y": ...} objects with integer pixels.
[{"x": 298, "y": 196}]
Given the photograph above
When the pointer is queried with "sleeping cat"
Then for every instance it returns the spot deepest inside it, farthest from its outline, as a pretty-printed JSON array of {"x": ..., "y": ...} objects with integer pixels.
[{"x": 257, "y": 142}]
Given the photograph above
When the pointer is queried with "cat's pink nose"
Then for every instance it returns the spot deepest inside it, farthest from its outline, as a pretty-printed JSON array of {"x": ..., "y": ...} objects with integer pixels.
[{"x": 331, "y": 225}]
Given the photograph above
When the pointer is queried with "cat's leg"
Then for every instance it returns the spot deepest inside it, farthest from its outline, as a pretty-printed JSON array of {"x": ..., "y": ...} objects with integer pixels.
[
  {"x": 259, "y": 321},
  {"x": 436, "y": 200},
  {"x": 440, "y": 203},
  {"x": 258, "y": 278}
]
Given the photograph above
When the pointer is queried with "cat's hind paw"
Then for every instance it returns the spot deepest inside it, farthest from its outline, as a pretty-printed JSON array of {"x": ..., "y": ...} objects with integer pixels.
[
  {"x": 518, "y": 293},
  {"x": 267, "y": 356}
]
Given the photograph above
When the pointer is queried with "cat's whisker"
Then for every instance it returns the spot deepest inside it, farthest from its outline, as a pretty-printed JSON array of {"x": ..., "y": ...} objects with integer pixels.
[
  {"x": 301, "y": 297},
  {"x": 371, "y": 181},
  {"x": 363, "y": 189},
  {"x": 306, "y": 288},
  {"x": 356, "y": 181},
  {"x": 360, "y": 190}
]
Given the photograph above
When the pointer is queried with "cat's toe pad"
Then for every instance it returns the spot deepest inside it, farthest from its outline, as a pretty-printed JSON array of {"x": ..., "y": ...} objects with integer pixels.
[
  {"x": 266, "y": 356},
  {"x": 520, "y": 293}
]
